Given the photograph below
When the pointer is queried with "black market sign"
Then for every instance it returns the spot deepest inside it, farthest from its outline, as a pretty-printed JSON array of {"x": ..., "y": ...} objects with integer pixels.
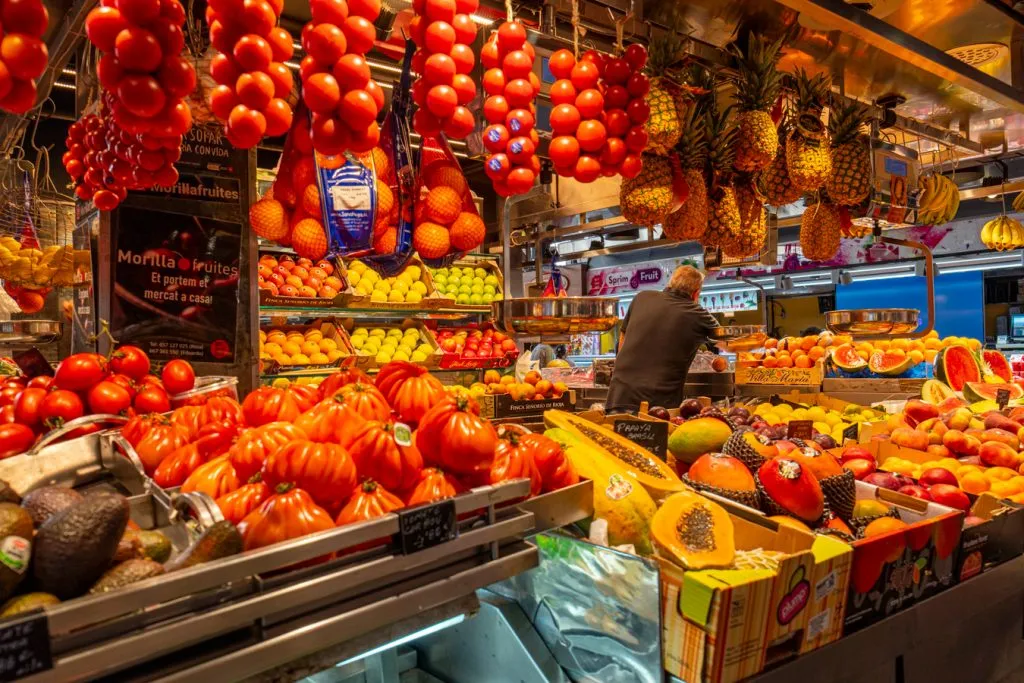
[
  {"x": 426, "y": 526},
  {"x": 207, "y": 188},
  {"x": 24, "y": 646},
  {"x": 800, "y": 429},
  {"x": 649, "y": 434}
]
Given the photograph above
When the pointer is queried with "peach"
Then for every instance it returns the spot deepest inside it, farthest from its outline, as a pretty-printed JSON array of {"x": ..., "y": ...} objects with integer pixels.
[
  {"x": 957, "y": 442},
  {"x": 998, "y": 454},
  {"x": 927, "y": 425},
  {"x": 951, "y": 403},
  {"x": 939, "y": 450},
  {"x": 910, "y": 438},
  {"x": 917, "y": 411},
  {"x": 1002, "y": 436},
  {"x": 959, "y": 419},
  {"x": 996, "y": 420},
  {"x": 940, "y": 428},
  {"x": 974, "y": 482},
  {"x": 999, "y": 474}
]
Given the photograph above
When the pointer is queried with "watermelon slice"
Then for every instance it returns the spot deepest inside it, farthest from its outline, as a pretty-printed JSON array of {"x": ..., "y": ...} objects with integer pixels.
[
  {"x": 983, "y": 391},
  {"x": 997, "y": 364},
  {"x": 957, "y": 365}
]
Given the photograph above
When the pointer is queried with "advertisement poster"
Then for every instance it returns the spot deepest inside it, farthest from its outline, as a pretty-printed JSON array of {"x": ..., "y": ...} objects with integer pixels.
[
  {"x": 633, "y": 277},
  {"x": 176, "y": 285},
  {"x": 730, "y": 302}
]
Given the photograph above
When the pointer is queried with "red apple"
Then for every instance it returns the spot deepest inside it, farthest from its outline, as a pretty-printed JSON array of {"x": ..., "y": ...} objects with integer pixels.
[
  {"x": 448, "y": 345},
  {"x": 915, "y": 491},
  {"x": 951, "y": 496},
  {"x": 469, "y": 353},
  {"x": 938, "y": 475},
  {"x": 856, "y": 452},
  {"x": 884, "y": 480},
  {"x": 861, "y": 467}
]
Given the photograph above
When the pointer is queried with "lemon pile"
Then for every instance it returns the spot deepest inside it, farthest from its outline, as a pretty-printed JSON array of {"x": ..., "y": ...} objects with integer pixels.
[
  {"x": 299, "y": 348},
  {"x": 826, "y": 421},
  {"x": 405, "y": 288},
  {"x": 54, "y": 265},
  {"x": 468, "y": 286},
  {"x": 388, "y": 344},
  {"x": 285, "y": 382}
]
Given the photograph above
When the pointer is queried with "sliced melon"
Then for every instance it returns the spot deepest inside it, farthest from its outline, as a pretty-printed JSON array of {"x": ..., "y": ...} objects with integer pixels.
[
  {"x": 983, "y": 391},
  {"x": 643, "y": 466},
  {"x": 935, "y": 392},
  {"x": 889, "y": 363},
  {"x": 845, "y": 358},
  {"x": 957, "y": 365}
]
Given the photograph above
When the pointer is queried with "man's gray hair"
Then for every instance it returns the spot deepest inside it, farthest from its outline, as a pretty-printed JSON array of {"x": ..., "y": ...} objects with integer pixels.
[{"x": 686, "y": 280}]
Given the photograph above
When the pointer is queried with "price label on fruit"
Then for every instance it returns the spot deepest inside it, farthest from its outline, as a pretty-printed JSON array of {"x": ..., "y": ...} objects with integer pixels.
[
  {"x": 801, "y": 429},
  {"x": 650, "y": 435},
  {"x": 24, "y": 646},
  {"x": 425, "y": 526}
]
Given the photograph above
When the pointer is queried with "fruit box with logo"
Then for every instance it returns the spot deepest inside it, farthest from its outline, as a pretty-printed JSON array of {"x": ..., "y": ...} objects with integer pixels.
[
  {"x": 329, "y": 328},
  {"x": 983, "y": 545},
  {"x": 811, "y": 376},
  {"x": 268, "y": 297},
  {"x": 454, "y": 360},
  {"x": 723, "y": 625},
  {"x": 491, "y": 276},
  {"x": 499, "y": 406},
  {"x": 893, "y": 570}
]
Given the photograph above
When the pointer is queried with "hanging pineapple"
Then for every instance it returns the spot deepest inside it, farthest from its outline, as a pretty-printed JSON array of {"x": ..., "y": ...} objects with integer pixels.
[
  {"x": 808, "y": 155},
  {"x": 691, "y": 219},
  {"x": 756, "y": 93},
  {"x": 664, "y": 98},
  {"x": 820, "y": 229},
  {"x": 647, "y": 199},
  {"x": 778, "y": 188},
  {"x": 753, "y": 221},
  {"x": 850, "y": 181},
  {"x": 723, "y": 212}
]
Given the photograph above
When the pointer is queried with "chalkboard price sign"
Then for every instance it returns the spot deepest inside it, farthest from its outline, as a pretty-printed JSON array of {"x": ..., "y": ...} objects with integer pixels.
[
  {"x": 851, "y": 433},
  {"x": 425, "y": 526},
  {"x": 24, "y": 646},
  {"x": 1002, "y": 397},
  {"x": 800, "y": 429},
  {"x": 647, "y": 434}
]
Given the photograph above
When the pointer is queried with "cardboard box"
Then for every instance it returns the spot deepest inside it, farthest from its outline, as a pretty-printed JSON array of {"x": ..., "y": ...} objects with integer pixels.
[
  {"x": 430, "y": 300},
  {"x": 330, "y": 328},
  {"x": 496, "y": 406},
  {"x": 720, "y": 626},
  {"x": 366, "y": 362},
  {"x": 893, "y": 571},
  {"x": 807, "y": 377},
  {"x": 268, "y": 299},
  {"x": 492, "y": 269}
]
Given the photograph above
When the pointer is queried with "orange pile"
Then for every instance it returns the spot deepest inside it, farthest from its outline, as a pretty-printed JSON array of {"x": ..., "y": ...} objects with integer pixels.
[{"x": 446, "y": 219}]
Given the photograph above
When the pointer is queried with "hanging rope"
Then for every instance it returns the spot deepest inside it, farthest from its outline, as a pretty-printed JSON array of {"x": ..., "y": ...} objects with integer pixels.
[
  {"x": 575, "y": 29},
  {"x": 510, "y": 16}
]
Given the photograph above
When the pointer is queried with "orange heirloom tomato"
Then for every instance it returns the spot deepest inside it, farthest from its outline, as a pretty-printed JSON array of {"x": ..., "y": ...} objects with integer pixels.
[
  {"x": 159, "y": 441},
  {"x": 324, "y": 470},
  {"x": 214, "y": 478},
  {"x": 220, "y": 409},
  {"x": 254, "y": 445},
  {"x": 336, "y": 381},
  {"x": 365, "y": 400},
  {"x": 187, "y": 417},
  {"x": 370, "y": 501},
  {"x": 556, "y": 470},
  {"x": 513, "y": 461},
  {"x": 454, "y": 437},
  {"x": 379, "y": 456},
  {"x": 268, "y": 404},
  {"x": 240, "y": 502},
  {"x": 410, "y": 390},
  {"x": 289, "y": 513},
  {"x": 434, "y": 485},
  {"x": 175, "y": 468},
  {"x": 330, "y": 421}
]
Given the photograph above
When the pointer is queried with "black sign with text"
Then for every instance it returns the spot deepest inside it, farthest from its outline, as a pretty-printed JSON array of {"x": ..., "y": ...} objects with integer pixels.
[
  {"x": 851, "y": 433},
  {"x": 645, "y": 433},
  {"x": 176, "y": 284},
  {"x": 207, "y": 188},
  {"x": 800, "y": 429},
  {"x": 425, "y": 526},
  {"x": 1002, "y": 397},
  {"x": 206, "y": 148},
  {"x": 24, "y": 646}
]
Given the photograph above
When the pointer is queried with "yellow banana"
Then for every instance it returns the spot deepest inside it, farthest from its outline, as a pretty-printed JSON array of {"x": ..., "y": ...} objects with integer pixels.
[{"x": 1018, "y": 202}]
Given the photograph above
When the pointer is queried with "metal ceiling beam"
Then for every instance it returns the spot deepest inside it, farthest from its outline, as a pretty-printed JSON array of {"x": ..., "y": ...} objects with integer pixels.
[{"x": 839, "y": 15}]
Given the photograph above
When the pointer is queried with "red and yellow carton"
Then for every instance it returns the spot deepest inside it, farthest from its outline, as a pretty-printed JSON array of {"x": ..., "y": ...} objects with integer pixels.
[{"x": 723, "y": 625}]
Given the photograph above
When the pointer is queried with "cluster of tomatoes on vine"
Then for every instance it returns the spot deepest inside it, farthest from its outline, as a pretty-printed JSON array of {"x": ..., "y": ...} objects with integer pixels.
[
  {"x": 23, "y": 53},
  {"x": 86, "y": 384}
]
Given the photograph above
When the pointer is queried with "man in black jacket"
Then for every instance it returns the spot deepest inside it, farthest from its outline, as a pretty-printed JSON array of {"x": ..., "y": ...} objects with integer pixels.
[{"x": 660, "y": 337}]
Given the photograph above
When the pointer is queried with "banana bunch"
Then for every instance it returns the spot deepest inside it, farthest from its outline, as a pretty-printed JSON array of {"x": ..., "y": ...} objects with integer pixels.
[
  {"x": 54, "y": 265},
  {"x": 1003, "y": 233},
  {"x": 1018, "y": 202},
  {"x": 938, "y": 201}
]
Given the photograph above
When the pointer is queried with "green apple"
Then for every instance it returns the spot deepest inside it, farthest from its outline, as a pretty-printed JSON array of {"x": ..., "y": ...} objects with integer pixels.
[
  {"x": 489, "y": 289},
  {"x": 463, "y": 298},
  {"x": 476, "y": 289},
  {"x": 454, "y": 279},
  {"x": 440, "y": 280},
  {"x": 491, "y": 280},
  {"x": 475, "y": 299},
  {"x": 480, "y": 272},
  {"x": 465, "y": 289},
  {"x": 487, "y": 297}
]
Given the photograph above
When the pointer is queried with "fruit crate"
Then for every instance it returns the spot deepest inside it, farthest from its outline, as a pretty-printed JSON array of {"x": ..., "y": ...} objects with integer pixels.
[
  {"x": 356, "y": 297},
  {"x": 490, "y": 270},
  {"x": 501, "y": 406},
  {"x": 269, "y": 298},
  {"x": 365, "y": 361},
  {"x": 453, "y": 360},
  {"x": 280, "y": 360}
]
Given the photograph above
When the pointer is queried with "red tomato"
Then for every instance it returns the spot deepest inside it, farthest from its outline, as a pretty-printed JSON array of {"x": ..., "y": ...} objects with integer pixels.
[
  {"x": 41, "y": 382},
  {"x": 561, "y": 63},
  {"x": 151, "y": 379},
  {"x": 636, "y": 55},
  {"x": 151, "y": 399},
  {"x": 102, "y": 26},
  {"x": 9, "y": 393},
  {"x": 178, "y": 377},
  {"x": 14, "y": 439},
  {"x": 26, "y": 407},
  {"x": 109, "y": 398},
  {"x": 124, "y": 381},
  {"x": 7, "y": 415},
  {"x": 60, "y": 406},
  {"x": 131, "y": 361},
  {"x": 80, "y": 371},
  {"x": 138, "y": 50}
]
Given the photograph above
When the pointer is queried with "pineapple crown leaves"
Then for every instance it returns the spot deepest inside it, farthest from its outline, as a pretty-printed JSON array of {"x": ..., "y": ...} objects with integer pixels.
[
  {"x": 721, "y": 132},
  {"x": 759, "y": 80},
  {"x": 846, "y": 121},
  {"x": 666, "y": 54},
  {"x": 693, "y": 140},
  {"x": 812, "y": 92}
]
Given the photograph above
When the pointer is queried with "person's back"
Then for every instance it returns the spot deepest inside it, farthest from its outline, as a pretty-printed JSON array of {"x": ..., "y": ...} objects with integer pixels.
[{"x": 663, "y": 331}]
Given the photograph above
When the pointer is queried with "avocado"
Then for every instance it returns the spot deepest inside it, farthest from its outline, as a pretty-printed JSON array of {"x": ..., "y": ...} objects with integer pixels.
[
  {"x": 26, "y": 603},
  {"x": 16, "y": 530},
  {"x": 126, "y": 573},
  {"x": 220, "y": 540},
  {"x": 45, "y": 502},
  {"x": 76, "y": 545},
  {"x": 145, "y": 544},
  {"x": 7, "y": 494}
]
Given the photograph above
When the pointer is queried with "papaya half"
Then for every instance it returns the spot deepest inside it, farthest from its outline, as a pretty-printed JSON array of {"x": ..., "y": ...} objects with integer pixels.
[
  {"x": 694, "y": 532},
  {"x": 640, "y": 464}
]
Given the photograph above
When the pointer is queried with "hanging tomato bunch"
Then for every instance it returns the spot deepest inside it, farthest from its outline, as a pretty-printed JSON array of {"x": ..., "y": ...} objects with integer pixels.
[
  {"x": 511, "y": 87},
  {"x": 336, "y": 82},
  {"x": 253, "y": 81},
  {"x": 142, "y": 68},
  {"x": 598, "y": 114},
  {"x": 23, "y": 53},
  {"x": 444, "y": 31}
]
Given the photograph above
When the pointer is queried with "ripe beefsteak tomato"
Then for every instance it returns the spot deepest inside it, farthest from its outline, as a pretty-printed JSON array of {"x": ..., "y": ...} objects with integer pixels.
[
  {"x": 14, "y": 439},
  {"x": 324, "y": 470},
  {"x": 454, "y": 437},
  {"x": 254, "y": 445},
  {"x": 379, "y": 456},
  {"x": 434, "y": 485},
  {"x": 365, "y": 400},
  {"x": 330, "y": 421},
  {"x": 240, "y": 502},
  {"x": 176, "y": 467},
  {"x": 514, "y": 461},
  {"x": 159, "y": 441},
  {"x": 187, "y": 417},
  {"x": 409, "y": 389},
  {"x": 269, "y": 404},
  {"x": 214, "y": 478},
  {"x": 289, "y": 513},
  {"x": 370, "y": 501},
  {"x": 556, "y": 470},
  {"x": 220, "y": 409},
  {"x": 336, "y": 381}
]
